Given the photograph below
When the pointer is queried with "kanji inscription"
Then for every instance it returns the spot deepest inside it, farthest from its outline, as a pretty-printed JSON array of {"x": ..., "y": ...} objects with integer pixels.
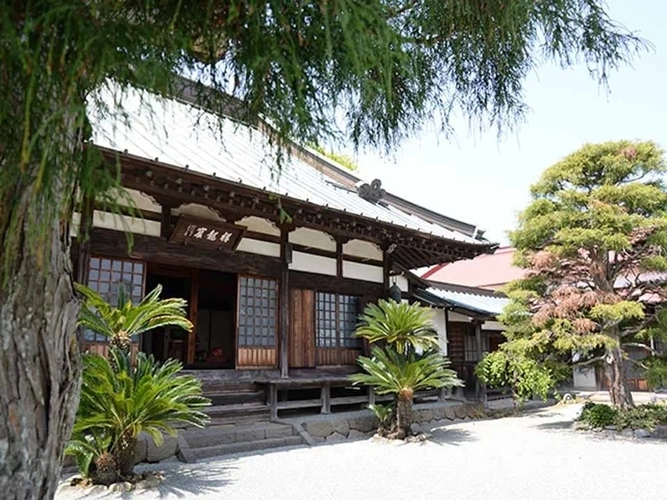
[{"x": 221, "y": 235}]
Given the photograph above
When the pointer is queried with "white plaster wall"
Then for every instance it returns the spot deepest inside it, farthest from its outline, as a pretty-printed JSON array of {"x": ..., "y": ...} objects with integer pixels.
[
  {"x": 125, "y": 223},
  {"x": 402, "y": 283},
  {"x": 458, "y": 317},
  {"x": 74, "y": 225},
  {"x": 440, "y": 324},
  {"x": 364, "y": 272},
  {"x": 260, "y": 225},
  {"x": 313, "y": 264},
  {"x": 259, "y": 247},
  {"x": 312, "y": 238},
  {"x": 144, "y": 202},
  {"x": 493, "y": 325},
  {"x": 196, "y": 210},
  {"x": 584, "y": 379},
  {"x": 360, "y": 248}
]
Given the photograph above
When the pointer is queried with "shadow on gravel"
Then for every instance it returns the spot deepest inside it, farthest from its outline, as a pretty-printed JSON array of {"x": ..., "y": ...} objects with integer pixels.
[
  {"x": 451, "y": 436},
  {"x": 560, "y": 425},
  {"x": 193, "y": 480}
]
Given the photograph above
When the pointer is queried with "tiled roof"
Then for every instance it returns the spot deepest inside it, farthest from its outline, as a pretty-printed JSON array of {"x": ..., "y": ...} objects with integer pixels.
[
  {"x": 181, "y": 135},
  {"x": 483, "y": 303}
]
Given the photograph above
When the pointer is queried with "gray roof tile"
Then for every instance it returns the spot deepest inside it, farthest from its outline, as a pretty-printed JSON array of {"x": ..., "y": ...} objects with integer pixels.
[{"x": 181, "y": 135}]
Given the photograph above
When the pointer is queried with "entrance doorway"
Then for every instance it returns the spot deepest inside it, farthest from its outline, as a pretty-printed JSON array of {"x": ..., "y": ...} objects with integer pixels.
[
  {"x": 171, "y": 341},
  {"x": 216, "y": 320}
]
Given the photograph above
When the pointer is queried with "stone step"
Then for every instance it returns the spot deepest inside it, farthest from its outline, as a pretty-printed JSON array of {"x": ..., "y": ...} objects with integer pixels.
[
  {"x": 226, "y": 397},
  {"x": 227, "y": 434},
  {"x": 246, "y": 446},
  {"x": 237, "y": 410},
  {"x": 225, "y": 386}
]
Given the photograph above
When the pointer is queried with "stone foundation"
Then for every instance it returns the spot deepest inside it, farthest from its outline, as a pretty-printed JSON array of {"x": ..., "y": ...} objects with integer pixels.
[
  {"x": 338, "y": 427},
  {"x": 148, "y": 451}
]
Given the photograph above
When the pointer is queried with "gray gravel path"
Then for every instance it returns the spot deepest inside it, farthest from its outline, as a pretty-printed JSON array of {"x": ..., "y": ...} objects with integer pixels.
[{"x": 531, "y": 457}]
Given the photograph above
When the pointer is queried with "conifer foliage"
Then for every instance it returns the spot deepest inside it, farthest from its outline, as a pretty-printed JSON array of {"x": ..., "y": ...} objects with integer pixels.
[{"x": 593, "y": 242}]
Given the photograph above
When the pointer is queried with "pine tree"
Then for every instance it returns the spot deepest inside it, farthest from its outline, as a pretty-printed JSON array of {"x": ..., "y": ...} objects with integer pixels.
[{"x": 591, "y": 241}]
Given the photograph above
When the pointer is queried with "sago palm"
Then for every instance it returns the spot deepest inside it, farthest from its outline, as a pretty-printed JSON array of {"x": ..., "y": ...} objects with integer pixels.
[
  {"x": 124, "y": 320},
  {"x": 391, "y": 372},
  {"x": 119, "y": 400},
  {"x": 407, "y": 327}
]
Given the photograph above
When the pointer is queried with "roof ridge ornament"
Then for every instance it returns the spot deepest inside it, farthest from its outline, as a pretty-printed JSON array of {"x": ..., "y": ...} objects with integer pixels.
[{"x": 372, "y": 192}]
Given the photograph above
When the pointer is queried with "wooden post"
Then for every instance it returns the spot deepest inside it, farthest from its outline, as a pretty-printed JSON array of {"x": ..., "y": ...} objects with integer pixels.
[
  {"x": 371, "y": 395},
  {"x": 480, "y": 389},
  {"x": 194, "y": 305},
  {"x": 165, "y": 221},
  {"x": 85, "y": 225},
  {"x": 273, "y": 401},
  {"x": 326, "y": 398},
  {"x": 83, "y": 255},
  {"x": 339, "y": 258},
  {"x": 283, "y": 292},
  {"x": 386, "y": 269}
]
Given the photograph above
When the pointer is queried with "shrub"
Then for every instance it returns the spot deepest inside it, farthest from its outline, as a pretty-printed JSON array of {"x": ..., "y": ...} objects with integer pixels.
[
  {"x": 384, "y": 414},
  {"x": 640, "y": 417},
  {"x": 525, "y": 376},
  {"x": 598, "y": 415},
  {"x": 400, "y": 331},
  {"x": 656, "y": 371},
  {"x": 118, "y": 401}
]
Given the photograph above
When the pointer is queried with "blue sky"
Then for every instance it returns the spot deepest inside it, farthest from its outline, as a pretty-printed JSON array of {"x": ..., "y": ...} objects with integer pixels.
[{"x": 484, "y": 180}]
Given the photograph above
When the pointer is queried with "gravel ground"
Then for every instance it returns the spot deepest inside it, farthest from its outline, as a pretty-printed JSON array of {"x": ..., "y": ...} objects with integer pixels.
[{"x": 531, "y": 457}]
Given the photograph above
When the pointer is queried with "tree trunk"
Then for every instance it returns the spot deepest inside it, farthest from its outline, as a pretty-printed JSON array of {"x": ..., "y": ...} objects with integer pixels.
[
  {"x": 39, "y": 360},
  {"x": 125, "y": 456},
  {"x": 619, "y": 391},
  {"x": 403, "y": 415}
]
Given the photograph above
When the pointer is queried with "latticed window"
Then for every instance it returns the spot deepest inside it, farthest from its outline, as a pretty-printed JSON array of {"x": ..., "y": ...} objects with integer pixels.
[
  {"x": 336, "y": 320},
  {"x": 105, "y": 276},
  {"x": 258, "y": 312}
]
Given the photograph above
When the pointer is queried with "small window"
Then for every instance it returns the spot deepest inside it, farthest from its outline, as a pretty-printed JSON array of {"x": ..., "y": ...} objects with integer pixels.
[
  {"x": 336, "y": 320},
  {"x": 258, "y": 312},
  {"x": 105, "y": 276},
  {"x": 470, "y": 348}
]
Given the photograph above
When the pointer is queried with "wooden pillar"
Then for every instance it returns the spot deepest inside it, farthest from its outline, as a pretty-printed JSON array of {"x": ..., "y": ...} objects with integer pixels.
[
  {"x": 165, "y": 221},
  {"x": 326, "y": 398},
  {"x": 445, "y": 393},
  {"x": 85, "y": 225},
  {"x": 194, "y": 305},
  {"x": 273, "y": 401},
  {"x": 386, "y": 269},
  {"x": 339, "y": 258},
  {"x": 83, "y": 251},
  {"x": 480, "y": 389},
  {"x": 283, "y": 292}
]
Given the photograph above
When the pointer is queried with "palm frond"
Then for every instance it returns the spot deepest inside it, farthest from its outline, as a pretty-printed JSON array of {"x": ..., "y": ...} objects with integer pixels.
[
  {"x": 407, "y": 327},
  {"x": 118, "y": 399},
  {"x": 128, "y": 319},
  {"x": 390, "y": 372}
]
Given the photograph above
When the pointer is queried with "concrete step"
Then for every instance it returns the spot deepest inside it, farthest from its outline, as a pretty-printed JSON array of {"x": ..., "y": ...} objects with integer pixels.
[
  {"x": 227, "y": 434},
  {"x": 246, "y": 446}
]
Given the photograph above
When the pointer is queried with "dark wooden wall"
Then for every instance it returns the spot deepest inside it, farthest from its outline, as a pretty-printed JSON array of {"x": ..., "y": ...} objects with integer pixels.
[{"x": 302, "y": 329}]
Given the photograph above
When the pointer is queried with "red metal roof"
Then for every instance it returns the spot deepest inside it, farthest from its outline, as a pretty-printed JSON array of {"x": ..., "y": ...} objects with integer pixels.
[{"x": 490, "y": 271}]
